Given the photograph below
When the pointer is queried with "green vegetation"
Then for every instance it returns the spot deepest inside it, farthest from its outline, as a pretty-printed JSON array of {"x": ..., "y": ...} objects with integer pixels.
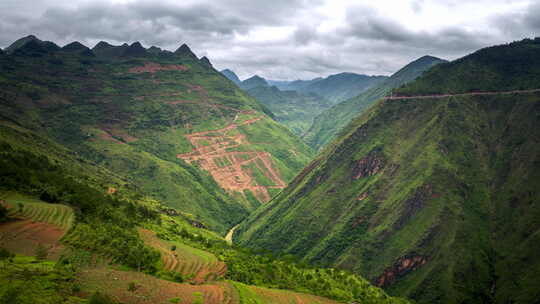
[
  {"x": 514, "y": 66},
  {"x": 266, "y": 270},
  {"x": 23, "y": 280},
  {"x": 433, "y": 199},
  {"x": 293, "y": 109},
  {"x": 128, "y": 109},
  {"x": 328, "y": 124},
  {"x": 27, "y": 207}
]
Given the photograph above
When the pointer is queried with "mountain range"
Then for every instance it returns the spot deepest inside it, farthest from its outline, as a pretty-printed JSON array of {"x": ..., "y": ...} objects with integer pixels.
[{"x": 296, "y": 103}]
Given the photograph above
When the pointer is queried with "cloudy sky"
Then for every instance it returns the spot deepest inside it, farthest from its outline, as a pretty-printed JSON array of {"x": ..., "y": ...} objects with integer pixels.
[{"x": 282, "y": 39}]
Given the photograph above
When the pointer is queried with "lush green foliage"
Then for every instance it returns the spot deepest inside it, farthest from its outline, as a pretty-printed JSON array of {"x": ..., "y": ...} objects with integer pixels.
[
  {"x": 129, "y": 110},
  {"x": 328, "y": 124},
  {"x": 434, "y": 199},
  {"x": 106, "y": 224},
  {"x": 24, "y": 280},
  {"x": 264, "y": 269},
  {"x": 514, "y": 66}
]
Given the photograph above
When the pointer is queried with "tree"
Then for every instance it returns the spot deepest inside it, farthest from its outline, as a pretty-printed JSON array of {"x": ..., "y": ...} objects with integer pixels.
[
  {"x": 3, "y": 213},
  {"x": 5, "y": 255},
  {"x": 41, "y": 252}
]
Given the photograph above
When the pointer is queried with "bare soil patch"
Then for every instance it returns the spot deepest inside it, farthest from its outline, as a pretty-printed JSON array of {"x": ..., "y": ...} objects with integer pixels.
[
  {"x": 212, "y": 153},
  {"x": 152, "y": 67}
]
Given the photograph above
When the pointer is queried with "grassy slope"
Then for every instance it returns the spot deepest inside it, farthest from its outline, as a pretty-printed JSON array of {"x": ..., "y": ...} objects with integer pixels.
[
  {"x": 327, "y": 125},
  {"x": 105, "y": 230},
  {"x": 130, "y": 123},
  {"x": 447, "y": 210}
]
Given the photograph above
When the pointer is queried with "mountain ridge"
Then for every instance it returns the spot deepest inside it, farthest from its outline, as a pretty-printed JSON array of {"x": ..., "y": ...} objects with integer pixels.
[{"x": 329, "y": 123}]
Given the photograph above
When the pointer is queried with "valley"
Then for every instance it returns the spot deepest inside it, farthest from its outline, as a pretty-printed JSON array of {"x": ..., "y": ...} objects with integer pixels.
[{"x": 339, "y": 170}]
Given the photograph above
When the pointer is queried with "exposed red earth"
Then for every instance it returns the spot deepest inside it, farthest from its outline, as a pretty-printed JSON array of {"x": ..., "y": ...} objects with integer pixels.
[
  {"x": 213, "y": 153},
  {"x": 152, "y": 67}
]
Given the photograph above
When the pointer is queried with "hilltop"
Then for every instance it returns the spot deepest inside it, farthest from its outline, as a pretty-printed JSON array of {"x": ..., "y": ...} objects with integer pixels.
[{"x": 435, "y": 199}]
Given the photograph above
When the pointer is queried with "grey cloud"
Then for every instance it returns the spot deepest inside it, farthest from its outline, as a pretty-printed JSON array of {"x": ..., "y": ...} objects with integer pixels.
[{"x": 369, "y": 42}]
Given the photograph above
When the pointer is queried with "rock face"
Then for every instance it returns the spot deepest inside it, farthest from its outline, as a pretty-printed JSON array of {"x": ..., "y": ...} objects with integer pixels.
[
  {"x": 400, "y": 268},
  {"x": 367, "y": 166}
]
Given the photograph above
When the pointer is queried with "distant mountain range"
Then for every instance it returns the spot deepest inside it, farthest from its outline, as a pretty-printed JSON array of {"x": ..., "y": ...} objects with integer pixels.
[{"x": 297, "y": 103}]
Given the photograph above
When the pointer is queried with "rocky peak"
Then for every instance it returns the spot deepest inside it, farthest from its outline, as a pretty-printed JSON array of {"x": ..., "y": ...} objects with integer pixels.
[
  {"x": 134, "y": 50},
  {"x": 74, "y": 47},
  {"x": 206, "y": 62},
  {"x": 185, "y": 51}
]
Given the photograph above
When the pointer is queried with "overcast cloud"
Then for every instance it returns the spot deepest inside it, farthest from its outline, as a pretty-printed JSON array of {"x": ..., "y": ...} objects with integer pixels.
[{"x": 282, "y": 39}]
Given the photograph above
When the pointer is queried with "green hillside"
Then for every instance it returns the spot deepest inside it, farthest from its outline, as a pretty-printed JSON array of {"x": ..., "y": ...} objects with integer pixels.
[
  {"x": 142, "y": 115},
  {"x": 433, "y": 199},
  {"x": 76, "y": 241},
  {"x": 327, "y": 125}
]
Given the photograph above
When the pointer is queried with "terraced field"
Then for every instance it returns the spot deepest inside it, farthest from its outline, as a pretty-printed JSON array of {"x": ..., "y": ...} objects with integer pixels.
[
  {"x": 28, "y": 208},
  {"x": 202, "y": 266},
  {"x": 260, "y": 295},
  {"x": 215, "y": 151},
  {"x": 149, "y": 289},
  {"x": 36, "y": 224}
]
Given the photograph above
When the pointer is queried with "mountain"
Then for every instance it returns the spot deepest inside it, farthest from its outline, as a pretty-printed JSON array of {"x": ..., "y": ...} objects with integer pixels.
[
  {"x": 231, "y": 76},
  {"x": 435, "y": 198},
  {"x": 166, "y": 121},
  {"x": 110, "y": 178},
  {"x": 253, "y": 82},
  {"x": 297, "y": 103},
  {"x": 327, "y": 125},
  {"x": 185, "y": 51},
  {"x": 334, "y": 88},
  {"x": 291, "y": 108},
  {"x": 21, "y": 42}
]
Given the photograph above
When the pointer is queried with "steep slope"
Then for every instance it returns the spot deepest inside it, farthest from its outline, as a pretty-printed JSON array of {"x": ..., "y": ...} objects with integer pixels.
[
  {"x": 326, "y": 126},
  {"x": 231, "y": 76},
  {"x": 291, "y": 108},
  {"x": 432, "y": 198},
  {"x": 78, "y": 230},
  {"x": 133, "y": 111}
]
